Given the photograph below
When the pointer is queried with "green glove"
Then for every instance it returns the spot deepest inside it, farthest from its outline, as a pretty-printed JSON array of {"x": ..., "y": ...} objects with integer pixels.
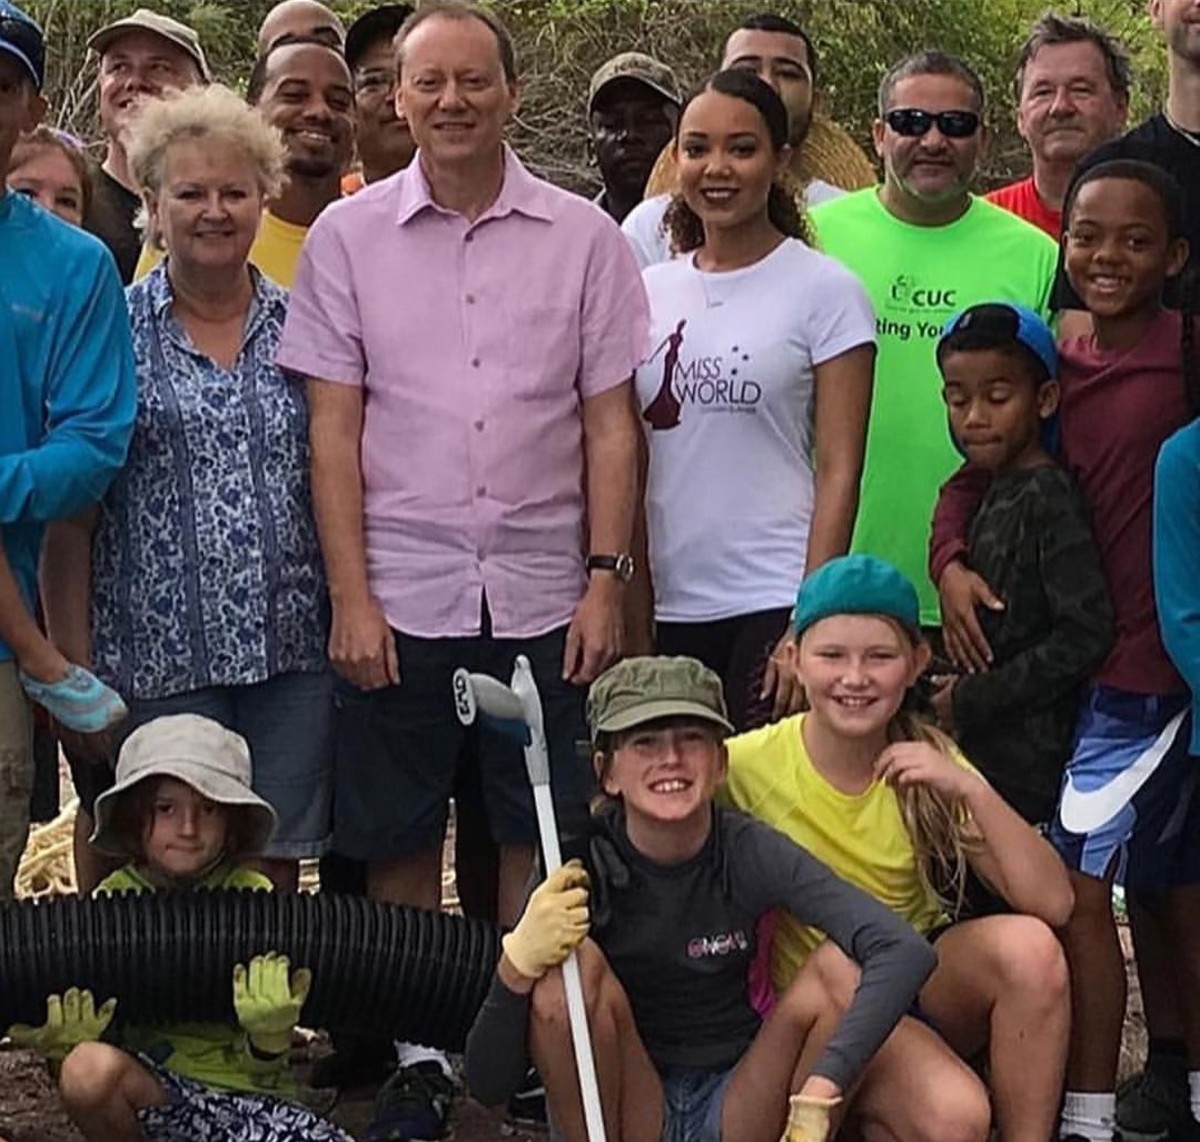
[
  {"x": 554, "y": 922},
  {"x": 70, "y": 1020},
  {"x": 268, "y": 1001}
]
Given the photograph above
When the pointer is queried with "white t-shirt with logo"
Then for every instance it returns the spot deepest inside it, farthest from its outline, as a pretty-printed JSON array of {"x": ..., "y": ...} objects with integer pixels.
[
  {"x": 726, "y": 397},
  {"x": 643, "y": 225}
]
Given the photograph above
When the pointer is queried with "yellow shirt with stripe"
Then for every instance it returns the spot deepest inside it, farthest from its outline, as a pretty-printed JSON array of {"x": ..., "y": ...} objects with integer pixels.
[
  {"x": 208, "y": 1053},
  {"x": 276, "y": 251},
  {"x": 861, "y": 836}
]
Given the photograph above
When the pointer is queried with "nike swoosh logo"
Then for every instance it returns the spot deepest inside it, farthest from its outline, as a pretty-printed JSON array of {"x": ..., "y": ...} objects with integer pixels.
[{"x": 1083, "y": 811}]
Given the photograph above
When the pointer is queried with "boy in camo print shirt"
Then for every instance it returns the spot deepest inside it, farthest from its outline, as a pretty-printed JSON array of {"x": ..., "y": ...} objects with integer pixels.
[{"x": 1031, "y": 542}]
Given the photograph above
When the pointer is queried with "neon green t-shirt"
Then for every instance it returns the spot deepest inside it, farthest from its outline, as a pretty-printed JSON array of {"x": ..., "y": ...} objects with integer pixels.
[
  {"x": 209, "y": 1053},
  {"x": 918, "y": 277}
]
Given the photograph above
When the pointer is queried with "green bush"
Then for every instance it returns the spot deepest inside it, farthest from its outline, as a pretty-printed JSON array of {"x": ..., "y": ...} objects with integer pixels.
[{"x": 561, "y": 42}]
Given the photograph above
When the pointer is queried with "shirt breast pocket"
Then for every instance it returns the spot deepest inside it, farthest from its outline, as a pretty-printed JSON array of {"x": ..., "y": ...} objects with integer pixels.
[{"x": 542, "y": 347}]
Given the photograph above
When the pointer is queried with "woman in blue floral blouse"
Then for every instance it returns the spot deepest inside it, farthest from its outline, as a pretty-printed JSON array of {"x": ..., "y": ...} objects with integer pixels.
[{"x": 207, "y": 593}]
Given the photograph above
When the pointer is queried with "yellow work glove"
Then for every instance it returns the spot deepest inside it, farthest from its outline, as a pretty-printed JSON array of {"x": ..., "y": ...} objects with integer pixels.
[
  {"x": 71, "y": 1019},
  {"x": 268, "y": 999},
  {"x": 554, "y": 922},
  {"x": 808, "y": 1118}
]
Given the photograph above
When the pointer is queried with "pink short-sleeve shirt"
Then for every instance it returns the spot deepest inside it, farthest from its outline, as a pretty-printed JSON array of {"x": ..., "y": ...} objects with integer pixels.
[{"x": 475, "y": 344}]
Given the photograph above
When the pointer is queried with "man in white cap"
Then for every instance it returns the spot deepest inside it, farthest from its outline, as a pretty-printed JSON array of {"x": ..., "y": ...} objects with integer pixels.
[
  {"x": 633, "y": 106},
  {"x": 142, "y": 57}
]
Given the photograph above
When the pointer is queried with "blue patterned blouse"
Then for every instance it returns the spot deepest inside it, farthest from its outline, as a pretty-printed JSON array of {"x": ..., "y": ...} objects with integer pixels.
[{"x": 205, "y": 567}]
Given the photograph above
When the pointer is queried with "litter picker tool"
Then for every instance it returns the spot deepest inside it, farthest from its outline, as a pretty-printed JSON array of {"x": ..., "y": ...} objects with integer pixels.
[{"x": 516, "y": 711}]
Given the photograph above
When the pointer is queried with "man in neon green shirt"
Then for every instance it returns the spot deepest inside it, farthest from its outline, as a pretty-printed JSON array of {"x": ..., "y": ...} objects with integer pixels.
[{"x": 925, "y": 248}]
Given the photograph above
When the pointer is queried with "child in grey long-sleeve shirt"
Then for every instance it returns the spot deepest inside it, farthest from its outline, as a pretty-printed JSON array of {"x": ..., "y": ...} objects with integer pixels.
[{"x": 678, "y": 885}]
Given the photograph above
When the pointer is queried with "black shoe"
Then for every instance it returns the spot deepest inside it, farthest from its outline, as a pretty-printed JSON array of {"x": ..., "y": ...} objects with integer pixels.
[
  {"x": 413, "y": 1105},
  {"x": 1154, "y": 1104},
  {"x": 526, "y": 1109}
]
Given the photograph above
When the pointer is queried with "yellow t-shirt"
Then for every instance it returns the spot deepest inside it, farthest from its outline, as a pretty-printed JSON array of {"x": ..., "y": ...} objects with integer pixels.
[
  {"x": 862, "y": 837},
  {"x": 276, "y": 251}
]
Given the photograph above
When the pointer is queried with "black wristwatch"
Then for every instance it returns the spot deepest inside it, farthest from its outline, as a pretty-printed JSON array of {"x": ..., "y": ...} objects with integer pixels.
[{"x": 620, "y": 565}]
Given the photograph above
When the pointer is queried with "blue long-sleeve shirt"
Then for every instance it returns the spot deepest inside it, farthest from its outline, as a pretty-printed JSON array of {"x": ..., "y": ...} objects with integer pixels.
[
  {"x": 67, "y": 387},
  {"x": 1177, "y": 557}
]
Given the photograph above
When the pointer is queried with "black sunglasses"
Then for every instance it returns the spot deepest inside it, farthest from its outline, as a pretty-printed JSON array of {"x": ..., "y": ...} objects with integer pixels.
[{"x": 912, "y": 122}]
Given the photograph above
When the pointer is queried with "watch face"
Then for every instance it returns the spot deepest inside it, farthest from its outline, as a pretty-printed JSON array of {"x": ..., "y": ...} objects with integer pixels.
[{"x": 625, "y": 567}]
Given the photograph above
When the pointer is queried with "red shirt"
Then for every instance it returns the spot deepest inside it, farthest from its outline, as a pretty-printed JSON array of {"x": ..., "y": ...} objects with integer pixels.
[
  {"x": 1118, "y": 406},
  {"x": 1022, "y": 199}
]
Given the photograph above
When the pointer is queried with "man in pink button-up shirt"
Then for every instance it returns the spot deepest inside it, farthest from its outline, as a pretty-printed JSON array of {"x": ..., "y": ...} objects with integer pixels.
[{"x": 469, "y": 333}]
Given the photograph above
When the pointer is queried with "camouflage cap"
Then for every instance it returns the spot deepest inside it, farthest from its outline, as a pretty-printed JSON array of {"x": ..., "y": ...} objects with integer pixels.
[
  {"x": 640, "y": 68},
  {"x": 639, "y": 690}
]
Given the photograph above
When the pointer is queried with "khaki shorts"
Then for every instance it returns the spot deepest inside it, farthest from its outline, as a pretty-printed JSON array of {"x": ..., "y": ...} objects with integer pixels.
[{"x": 16, "y": 775}]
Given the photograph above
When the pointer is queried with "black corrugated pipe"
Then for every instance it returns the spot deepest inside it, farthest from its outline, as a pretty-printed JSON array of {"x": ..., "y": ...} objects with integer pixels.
[{"x": 168, "y": 958}]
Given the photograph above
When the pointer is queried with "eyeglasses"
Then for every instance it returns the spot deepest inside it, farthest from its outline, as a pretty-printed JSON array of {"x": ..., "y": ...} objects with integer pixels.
[
  {"x": 374, "y": 82},
  {"x": 913, "y": 123}
]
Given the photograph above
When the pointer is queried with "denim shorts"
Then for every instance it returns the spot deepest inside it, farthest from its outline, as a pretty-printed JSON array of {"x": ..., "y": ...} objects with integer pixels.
[
  {"x": 399, "y": 749},
  {"x": 288, "y": 723},
  {"x": 693, "y": 1102}
]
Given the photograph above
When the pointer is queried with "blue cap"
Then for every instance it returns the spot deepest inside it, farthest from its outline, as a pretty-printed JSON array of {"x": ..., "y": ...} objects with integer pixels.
[
  {"x": 21, "y": 38},
  {"x": 856, "y": 585},
  {"x": 1006, "y": 321}
]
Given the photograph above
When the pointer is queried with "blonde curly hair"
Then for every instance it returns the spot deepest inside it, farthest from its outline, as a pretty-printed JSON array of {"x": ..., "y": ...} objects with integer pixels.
[{"x": 214, "y": 112}]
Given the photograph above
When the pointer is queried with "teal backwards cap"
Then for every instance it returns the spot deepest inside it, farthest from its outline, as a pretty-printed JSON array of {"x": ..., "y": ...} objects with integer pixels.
[{"x": 856, "y": 585}]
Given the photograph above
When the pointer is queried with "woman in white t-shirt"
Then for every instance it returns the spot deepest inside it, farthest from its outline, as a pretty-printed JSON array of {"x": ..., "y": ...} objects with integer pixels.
[{"x": 759, "y": 376}]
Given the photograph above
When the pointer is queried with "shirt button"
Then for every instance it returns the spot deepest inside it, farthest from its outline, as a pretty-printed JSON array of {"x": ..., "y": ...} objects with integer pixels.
[
  {"x": 470, "y": 299},
  {"x": 474, "y": 362},
  {"x": 469, "y": 238},
  {"x": 479, "y": 426},
  {"x": 481, "y": 491}
]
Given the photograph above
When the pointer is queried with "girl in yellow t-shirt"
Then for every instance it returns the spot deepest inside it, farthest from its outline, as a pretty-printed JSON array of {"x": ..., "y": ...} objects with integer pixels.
[{"x": 888, "y": 803}]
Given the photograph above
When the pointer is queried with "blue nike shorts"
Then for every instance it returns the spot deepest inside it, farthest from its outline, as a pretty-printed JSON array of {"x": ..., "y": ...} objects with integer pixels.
[{"x": 1127, "y": 788}]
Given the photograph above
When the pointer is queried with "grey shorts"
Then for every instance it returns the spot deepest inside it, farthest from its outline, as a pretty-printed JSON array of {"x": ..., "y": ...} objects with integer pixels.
[
  {"x": 693, "y": 1102},
  {"x": 288, "y": 723}
]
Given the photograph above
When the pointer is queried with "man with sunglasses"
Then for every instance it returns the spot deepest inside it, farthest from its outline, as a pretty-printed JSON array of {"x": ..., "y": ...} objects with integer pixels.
[
  {"x": 67, "y": 391},
  {"x": 925, "y": 248}
]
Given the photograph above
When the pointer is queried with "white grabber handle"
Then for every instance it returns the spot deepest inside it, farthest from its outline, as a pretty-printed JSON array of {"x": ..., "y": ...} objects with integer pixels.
[{"x": 516, "y": 711}]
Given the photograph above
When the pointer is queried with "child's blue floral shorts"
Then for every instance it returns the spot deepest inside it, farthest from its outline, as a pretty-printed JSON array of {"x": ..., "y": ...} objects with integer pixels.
[{"x": 197, "y": 1113}]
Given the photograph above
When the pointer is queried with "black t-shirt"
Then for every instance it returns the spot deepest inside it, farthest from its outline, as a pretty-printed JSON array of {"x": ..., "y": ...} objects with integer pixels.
[
  {"x": 114, "y": 208},
  {"x": 1178, "y": 153}
]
